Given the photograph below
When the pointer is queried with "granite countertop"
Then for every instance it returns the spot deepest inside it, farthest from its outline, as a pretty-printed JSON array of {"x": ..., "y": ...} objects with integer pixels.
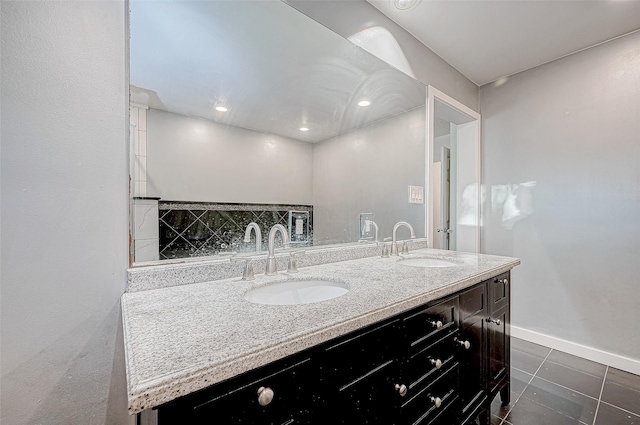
[{"x": 184, "y": 338}]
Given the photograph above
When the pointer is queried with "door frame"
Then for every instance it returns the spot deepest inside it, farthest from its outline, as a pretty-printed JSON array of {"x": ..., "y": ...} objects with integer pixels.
[{"x": 432, "y": 95}]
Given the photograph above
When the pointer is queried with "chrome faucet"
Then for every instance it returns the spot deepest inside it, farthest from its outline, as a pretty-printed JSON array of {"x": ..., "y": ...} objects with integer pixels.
[
  {"x": 271, "y": 259},
  {"x": 394, "y": 243},
  {"x": 247, "y": 235}
]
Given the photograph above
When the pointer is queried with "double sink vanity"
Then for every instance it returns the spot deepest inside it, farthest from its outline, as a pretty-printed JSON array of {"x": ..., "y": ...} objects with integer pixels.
[
  {"x": 287, "y": 127},
  {"x": 419, "y": 338}
]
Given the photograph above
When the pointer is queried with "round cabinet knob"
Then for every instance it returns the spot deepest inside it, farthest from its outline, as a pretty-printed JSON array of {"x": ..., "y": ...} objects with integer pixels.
[
  {"x": 437, "y": 324},
  {"x": 436, "y": 362},
  {"x": 401, "y": 389},
  {"x": 465, "y": 344},
  {"x": 496, "y": 321},
  {"x": 436, "y": 401},
  {"x": 265, "y": 396},
  {"x": 504, "y": 281}
]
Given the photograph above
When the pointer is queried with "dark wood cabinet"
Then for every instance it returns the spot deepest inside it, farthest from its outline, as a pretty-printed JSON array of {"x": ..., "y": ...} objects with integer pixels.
[
  {"x": 439, "y": 364},
  {"x": 473, "y": 329},
  {"x": 360, "y": 374},
  {"x": 272, "y": 395},
  {"x": 498, "y": 320}
]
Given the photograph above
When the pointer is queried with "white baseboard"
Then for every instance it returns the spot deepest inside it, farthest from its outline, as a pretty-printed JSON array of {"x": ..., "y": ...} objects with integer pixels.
[{"x": 614, "y": 360}]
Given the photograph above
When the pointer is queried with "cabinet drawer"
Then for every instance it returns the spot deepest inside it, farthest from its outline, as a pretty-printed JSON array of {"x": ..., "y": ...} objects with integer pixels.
[
  {"x": 431, "y": 362},
  {"x": 356, "y": 356},
  {"x": 499, "y": 291},
  {"x": 237, "y": 401},
  {"x": 421, "y": 408},
  {"x": 427, "y": 324}
]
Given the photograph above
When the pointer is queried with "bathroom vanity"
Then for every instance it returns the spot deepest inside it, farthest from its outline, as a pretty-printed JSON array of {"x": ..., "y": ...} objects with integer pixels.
[{"x": 405, "y": 345}]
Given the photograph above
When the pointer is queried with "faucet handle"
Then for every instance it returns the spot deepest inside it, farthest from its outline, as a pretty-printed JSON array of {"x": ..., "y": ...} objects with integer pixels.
[
  {"x": 247, "y": 273},
  {"x": 405, "y": 247},
  {"x": 385, "y": 247},
  {"x": 292, "y": 267}
]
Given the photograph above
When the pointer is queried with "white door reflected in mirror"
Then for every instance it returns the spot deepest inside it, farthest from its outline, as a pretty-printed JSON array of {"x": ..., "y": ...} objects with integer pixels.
[{"x": 453, "y": 161}]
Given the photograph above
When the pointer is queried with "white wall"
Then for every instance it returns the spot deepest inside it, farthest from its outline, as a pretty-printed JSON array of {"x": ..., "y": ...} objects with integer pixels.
[
  {"x": 369, "y": 170},
  {"x": 350, "y": 17},
  {"x": 64, "y": 212},
  {"x": 191, "y": 159},
  {"x": 572, "y": 126}
]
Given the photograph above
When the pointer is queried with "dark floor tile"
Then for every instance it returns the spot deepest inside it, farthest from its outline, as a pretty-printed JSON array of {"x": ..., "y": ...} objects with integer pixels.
[
  {"x": 622, "y": 389},
  {"x": 528, "y": 412},
  {"x": 525, "y": 361},
  {"x": 529, "y": 347},
  {"x": 577, "y": 363},
  {"x": 495, "y": 420},
  {"x": 561, "y": 400},
  {"x": 519, "y": 381},
  {"x": 571, "y": 378},
  {"x": 610, "y": 415}
]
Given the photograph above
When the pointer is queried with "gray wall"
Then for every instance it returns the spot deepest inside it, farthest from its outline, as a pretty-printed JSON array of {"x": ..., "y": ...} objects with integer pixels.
[
  {"x": 350, "y": 17},
  {"x": 572, "y": 126},
  {"x": 190, "y": 159},
  {"x": 64, "y": 212},
  {"x": 368, "y": 171}
]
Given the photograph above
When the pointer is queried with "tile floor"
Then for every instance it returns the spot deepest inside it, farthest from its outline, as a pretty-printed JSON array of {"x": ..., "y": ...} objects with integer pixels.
[{"x": 549, "y": 387}]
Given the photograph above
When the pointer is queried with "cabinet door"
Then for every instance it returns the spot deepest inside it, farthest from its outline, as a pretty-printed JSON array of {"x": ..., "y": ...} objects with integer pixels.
[
  {"x": 275, "y": 396},
  {"x": 498, "y": 322},
  {"x": 498, "y": 331},
  {"x": 360, "y": 375},
  {"x": 473, "y": 329}
]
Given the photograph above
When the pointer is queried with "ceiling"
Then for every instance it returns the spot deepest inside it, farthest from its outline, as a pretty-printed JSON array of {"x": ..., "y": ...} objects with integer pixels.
[
  {"x": 274, "y": 69},
  {"x": 487, "y": 40}
]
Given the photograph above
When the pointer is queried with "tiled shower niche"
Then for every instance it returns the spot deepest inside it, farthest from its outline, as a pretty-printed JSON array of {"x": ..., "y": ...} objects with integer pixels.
[{"x": 204, "y": 229}]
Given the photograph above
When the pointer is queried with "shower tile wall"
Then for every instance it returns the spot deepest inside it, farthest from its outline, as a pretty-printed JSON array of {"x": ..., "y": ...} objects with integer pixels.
[
  {"x": 138, "y": 118},
  {"x": 202, "y": 229},
  {"x": 145, "y": 229}
]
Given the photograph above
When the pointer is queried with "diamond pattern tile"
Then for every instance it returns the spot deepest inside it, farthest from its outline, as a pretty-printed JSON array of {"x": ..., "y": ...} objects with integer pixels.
[{"x": 202, "y": 230}]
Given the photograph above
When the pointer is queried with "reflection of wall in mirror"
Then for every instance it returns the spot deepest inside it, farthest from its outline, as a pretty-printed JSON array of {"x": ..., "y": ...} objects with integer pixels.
[
  {"x": 192, "y": 159},
  {"x": 364, "y": 170},
  {"x": 369, "y": 170}
]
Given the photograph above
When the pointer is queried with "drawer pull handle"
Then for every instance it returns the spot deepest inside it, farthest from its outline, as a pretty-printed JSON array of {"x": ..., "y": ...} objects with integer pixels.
[
  {"x": 436, "y": 401},
  {"x": 437, "y": 325},
  {"x": 496, "y": 321},
  {"x": 465, "y": 344},
  {"x": 265, "y": 395},
  {"x": 401, "y": 389},
  {"x": 436, "y": 362}
]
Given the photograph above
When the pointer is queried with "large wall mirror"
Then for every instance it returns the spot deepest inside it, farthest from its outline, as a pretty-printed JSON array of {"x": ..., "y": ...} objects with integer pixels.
[{"x": 250, "y": 111}]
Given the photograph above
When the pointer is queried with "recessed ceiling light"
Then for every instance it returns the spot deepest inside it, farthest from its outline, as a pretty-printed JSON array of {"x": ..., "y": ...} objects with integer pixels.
[
  {"x": 221, "y": 109},
  {"x": 304, "y": 129},
  {"x": 364, "y": 103}
]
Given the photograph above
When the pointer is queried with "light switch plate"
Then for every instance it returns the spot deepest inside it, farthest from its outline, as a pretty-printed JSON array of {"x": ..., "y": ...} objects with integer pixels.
[
  {"x": 416, "y": 194},
  {"x": 366, "y": 229}
]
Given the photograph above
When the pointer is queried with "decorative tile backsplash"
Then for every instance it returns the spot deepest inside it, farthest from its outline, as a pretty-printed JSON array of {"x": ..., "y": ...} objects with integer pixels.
[{"x": 203, "y": 229}]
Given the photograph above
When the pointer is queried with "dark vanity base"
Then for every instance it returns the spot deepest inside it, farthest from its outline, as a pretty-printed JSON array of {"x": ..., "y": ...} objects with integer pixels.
[{"x": 438, "y": 364}]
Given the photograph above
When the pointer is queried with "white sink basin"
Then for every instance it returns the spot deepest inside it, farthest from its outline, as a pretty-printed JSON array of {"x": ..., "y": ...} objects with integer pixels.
[
  {"x": 426, "y": 262},
  {"x": 292, "y": 292}
]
